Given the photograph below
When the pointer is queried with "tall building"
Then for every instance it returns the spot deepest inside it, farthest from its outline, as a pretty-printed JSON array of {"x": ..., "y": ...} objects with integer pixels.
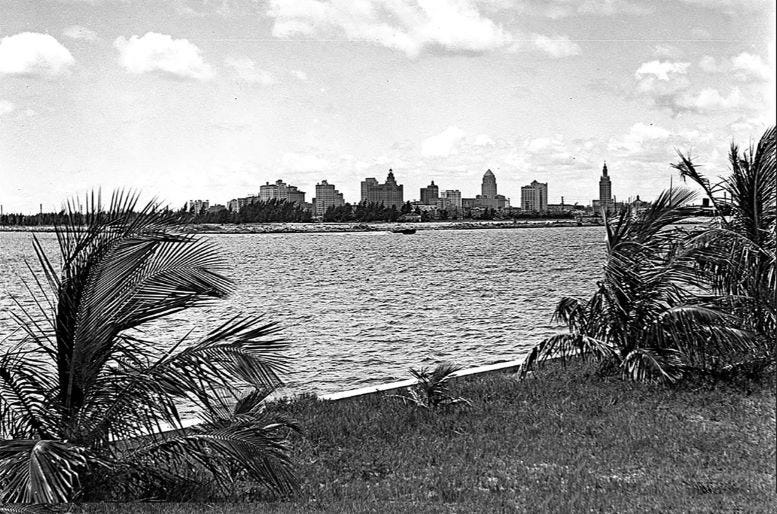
[
  {"x": 281, "y": 191},
  {"x": 534, "y": 197},
  {"x": 488, "y": 199},
  {"x": 430, "y": 194},
  {"x": 605, "y": 190},
  {"x": 488, "y": 188},
  {"x": 450, "y": 199},
  {"x": 327, "y": 196},
  {"x": 389, "y": 193}
]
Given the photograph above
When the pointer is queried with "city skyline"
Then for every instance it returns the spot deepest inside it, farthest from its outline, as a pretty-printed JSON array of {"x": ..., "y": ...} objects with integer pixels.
[{"x": 184, "y": 99}]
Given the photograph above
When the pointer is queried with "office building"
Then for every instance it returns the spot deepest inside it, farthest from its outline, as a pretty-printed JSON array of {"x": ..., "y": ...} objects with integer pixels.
[
  {"x": 450, "y": 199},
  {"x": 534, "y": 197},
  {"x": 281, "y": 191},
  {"x": 430, "y": 194},
  {"x": 326, "y": 196},
  {"x": 389, "y": 193}
]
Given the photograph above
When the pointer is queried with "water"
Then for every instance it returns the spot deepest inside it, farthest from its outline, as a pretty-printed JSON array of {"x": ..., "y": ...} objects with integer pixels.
[{"x": 361, "y": 308}]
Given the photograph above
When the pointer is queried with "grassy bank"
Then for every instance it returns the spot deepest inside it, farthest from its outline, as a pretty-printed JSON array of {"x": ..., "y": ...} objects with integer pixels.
[{"x": 559, "y": 441}]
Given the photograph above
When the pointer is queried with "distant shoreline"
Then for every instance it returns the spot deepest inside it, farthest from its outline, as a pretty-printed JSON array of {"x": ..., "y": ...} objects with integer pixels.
[{"x": 343, "y": 227}]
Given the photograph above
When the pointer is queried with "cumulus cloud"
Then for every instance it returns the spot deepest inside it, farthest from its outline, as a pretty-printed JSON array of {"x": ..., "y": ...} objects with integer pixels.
[
  {"x": 442, "y": 144},
  {"x": 556, "y": 47},
  {"x": 410, "y": 27},
  {"x": 245, "y": 69},
  {"x": 743, "y": 67},
  {"x": 709, "y": 100},
  {"x": 748, "y": 66},
  {"x": 661, "y": 70},
  {"x": 33, "y": 54},
  {"x": 79, "y": 32},
  {"x": 160, "y": 53}
]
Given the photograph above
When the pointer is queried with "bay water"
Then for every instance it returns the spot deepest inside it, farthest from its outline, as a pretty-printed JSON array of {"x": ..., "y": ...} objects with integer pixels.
[{"x": 361, "y": 308}]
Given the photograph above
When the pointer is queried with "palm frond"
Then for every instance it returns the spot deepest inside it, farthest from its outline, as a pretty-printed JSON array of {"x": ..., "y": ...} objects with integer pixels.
[{"x": 653, "y": 365}]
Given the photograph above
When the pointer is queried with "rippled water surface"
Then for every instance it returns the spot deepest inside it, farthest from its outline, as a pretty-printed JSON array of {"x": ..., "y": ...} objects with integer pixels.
[{"x": 362, "y": 308}]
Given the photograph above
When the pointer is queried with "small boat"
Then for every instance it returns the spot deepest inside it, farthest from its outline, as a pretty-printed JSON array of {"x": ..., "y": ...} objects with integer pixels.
[{"x": 403, "y": 230}]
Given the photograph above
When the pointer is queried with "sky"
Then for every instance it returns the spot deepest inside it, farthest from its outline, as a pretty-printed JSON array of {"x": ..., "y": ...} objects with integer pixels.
[{"x": 209, "y": 99}]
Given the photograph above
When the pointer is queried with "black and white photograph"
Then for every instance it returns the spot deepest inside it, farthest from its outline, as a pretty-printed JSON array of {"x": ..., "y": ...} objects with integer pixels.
[{"x": 389, "y": 256}]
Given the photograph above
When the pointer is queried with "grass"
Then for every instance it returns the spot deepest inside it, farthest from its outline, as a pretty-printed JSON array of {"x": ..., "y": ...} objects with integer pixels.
[{"x": 563, "y": 440}]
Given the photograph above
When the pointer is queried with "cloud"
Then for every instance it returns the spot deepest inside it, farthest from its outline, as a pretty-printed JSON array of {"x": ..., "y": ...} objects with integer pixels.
[
  {"x": 245, "y": 69},
  {"x": 301, "y": 75},
  {"x": 160, "y": 53},
  {"x": 661, "y": 70},
  {"x": 6, "y": 107},
  {"x": 80, "y": 33},
  {"x": 409, "y": 27},
  {"x": 743, "y": 67},
  {"x": 709, "y": 100},
  {"x": 748, "y": 65},
  {"x": 556, "y": 47},
  {"x": 33, "y": 54},
  {"x": 442, "y": 144}
]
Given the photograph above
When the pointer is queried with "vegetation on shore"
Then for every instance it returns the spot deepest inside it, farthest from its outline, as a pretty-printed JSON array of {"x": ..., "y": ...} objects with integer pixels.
[
  {"x": 564, "y": 440},
  {"x": 89, "y": 405},
  {"x": 673, "y": 303}
]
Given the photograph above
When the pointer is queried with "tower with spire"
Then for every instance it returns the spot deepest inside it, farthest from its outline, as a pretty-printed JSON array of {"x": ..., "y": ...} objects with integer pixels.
[{"x": 605, "y": 190}]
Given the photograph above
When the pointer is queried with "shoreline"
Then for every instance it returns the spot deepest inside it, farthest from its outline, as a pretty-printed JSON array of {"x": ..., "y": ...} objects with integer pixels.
[{"x": 343, "y": 227}]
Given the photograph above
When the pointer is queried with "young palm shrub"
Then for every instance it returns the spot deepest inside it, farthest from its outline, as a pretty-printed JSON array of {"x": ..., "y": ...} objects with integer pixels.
[
  {"x": 738, "y": 259},
  {"x": 431, "y": 390},
  {"x": 89, "y": 405},
  {"x": 643, "y": 317}
]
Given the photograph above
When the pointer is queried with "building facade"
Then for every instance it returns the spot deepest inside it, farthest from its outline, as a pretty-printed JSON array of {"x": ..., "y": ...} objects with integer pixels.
[
  {"x": 430, "y": 194},
  {"x": 489, "y": 198},
  {"x": 605, "y": 191},
  {"x": 327, "y": 196},
  {"x": 389, "y": 193},
  {"x": 534, "y": 197},
  {"x": 197, "y": 206},
  {"x": 281, "y": 191},
  {"x": 450, "y": 199},
  {"x": 236, "y": 204},
  {"x": 488, "y": 187}
]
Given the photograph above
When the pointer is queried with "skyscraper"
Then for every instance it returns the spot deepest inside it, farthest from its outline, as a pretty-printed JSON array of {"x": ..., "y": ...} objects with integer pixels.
[
  {"x": 534, "y": 197},
  {"x": 390, "y": 193},
  {"x": 327, "y": 196},
  {"x": 430, "y": 194},
  {"x": 605, "y": 190},
  {"x": 488, "y": 199},
  {"x": 488, "y": 188}
]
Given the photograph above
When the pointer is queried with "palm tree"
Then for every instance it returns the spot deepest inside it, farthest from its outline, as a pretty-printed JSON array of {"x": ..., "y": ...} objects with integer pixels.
[
  {"x": 89, "y": 404},
  {"x": 644, "y": 317},
  {"x": 431, "y": 390},
  {"x": 739, "y": 258}
]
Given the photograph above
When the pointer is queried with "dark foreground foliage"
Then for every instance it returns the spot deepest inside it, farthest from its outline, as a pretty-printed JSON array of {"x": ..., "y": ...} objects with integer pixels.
[
  {"x": 674, "y": 303},
  {"x": 89, "y": 404},
  {"x": 565, "y": 440}
]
